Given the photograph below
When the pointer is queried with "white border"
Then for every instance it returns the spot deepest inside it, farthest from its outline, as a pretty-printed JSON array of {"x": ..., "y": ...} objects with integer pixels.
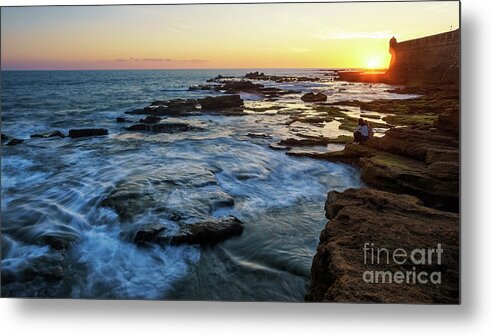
[{"x": 85, "y": 317}]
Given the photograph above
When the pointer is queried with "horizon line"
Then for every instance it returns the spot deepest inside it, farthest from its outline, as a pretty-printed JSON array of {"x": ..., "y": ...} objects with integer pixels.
[{"x": 153, "y": 69}]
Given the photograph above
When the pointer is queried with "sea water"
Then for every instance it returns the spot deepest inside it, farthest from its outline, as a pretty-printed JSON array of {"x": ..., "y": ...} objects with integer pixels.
[{"x": 59, "y": 184}]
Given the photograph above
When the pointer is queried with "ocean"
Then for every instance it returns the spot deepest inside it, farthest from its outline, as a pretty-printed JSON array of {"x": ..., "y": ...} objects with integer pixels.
[{"x": 58, "y": 186}]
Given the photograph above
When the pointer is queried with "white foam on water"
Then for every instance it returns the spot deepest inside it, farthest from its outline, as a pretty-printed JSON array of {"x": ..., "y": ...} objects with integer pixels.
[
  {"x": 17, "y": 255},
  {"x": 119, "y": 269}
]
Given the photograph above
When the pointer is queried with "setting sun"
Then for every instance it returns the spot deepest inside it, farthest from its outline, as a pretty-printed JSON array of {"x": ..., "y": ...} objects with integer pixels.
[{"x": 374, "y": 63}]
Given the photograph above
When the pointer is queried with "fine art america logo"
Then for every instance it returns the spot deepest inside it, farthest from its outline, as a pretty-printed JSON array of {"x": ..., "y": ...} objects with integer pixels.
[{"x": 418, "y": 257}]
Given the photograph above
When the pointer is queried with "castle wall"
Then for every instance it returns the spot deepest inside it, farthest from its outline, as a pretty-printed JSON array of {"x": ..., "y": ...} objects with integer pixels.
[{"x": 428, "y": 60}]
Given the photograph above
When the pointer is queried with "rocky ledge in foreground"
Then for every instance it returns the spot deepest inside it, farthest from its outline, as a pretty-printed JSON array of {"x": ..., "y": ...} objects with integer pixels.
[{"x": 365, "y": 220}]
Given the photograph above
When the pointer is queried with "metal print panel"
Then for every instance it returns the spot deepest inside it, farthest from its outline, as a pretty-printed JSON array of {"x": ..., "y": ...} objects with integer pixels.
[{"x": 240, "y": 152}]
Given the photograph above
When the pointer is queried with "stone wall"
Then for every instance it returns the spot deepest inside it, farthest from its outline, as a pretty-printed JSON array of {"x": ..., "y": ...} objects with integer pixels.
[{"x": 428, "y": 60}]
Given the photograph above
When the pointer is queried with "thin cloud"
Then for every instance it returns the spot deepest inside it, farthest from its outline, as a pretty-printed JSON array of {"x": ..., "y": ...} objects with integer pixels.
[
  {"x": 161, "y": 60},
  {"x": 354, "y": 35},
  {"x": 297, "y": 50}
]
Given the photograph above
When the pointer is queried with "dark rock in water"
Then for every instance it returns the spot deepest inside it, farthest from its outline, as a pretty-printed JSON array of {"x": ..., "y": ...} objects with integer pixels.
[
  {"x": 140, "y": 127},
  {"x": 175, "y": 107},
  {"x": 14, "y": 142},
  {"x": 46, "y": 267},
  {"x": 4, "y": 137},
  {"x": 148, "y": 233},
  {"x": 150, "y": 120},
  {"x": 279, "y": 79},
  {"x": 139, "y": 194},
  {"x": 86, "y": 132},
  {"x": 225, "y": 105},
  {"x": 259, "y": 135},
  {"x": 305, "y": 142},
  {"x": 57, "y": 236},
  {"x": 219, "y": 79},
  {"x": 208, "y": 232},
  {"x": 49, "y": 135},
  {"x": 311, "y": 97},
  {"x": 368, "y": 216},
  {"x": 202, "y": 87},
  {"x": 275, "y": 146},
  {"x": 255, "y": 75},
  {"x": 121, "y": 120},
  {"x": 130, "y": 199},
  {"x": 241, "y": 86},
  {"x": 220, "y": 102},
  {"x": 168, "y": 127}
]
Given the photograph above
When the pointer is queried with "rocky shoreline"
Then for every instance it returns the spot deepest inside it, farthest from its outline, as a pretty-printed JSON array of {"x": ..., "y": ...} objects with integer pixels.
[
  {"x": 383, "y": 220},
  {"x": 413, "y": 204}
]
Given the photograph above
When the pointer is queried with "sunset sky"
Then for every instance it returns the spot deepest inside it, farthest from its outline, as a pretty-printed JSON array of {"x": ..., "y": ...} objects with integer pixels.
[{"x": 319, "y": 35}]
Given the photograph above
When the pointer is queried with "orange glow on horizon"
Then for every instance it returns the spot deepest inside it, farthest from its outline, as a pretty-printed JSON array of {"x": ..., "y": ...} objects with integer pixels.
[{"x": 295, "y": 35}]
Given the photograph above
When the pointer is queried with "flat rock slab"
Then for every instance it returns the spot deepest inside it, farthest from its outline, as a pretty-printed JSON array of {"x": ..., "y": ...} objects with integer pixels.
[
  {"x": 386, "y": 220},
  {"x": 86, "y": 132},
  {"x": 167, "y": 127},
  {"x": 204, "y": 233},
  {"x": 208, "y": 232}
]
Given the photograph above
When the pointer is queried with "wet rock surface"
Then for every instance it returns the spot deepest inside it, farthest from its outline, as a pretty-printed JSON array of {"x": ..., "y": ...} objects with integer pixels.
[
  {"x": 208, "y": 232},
  {"x": 149, "y": 233},
  {"x": 361, "y": 216},
  {"x": 188, "y": 107},
  {"x": 51, "y": 134},
  {"x": 14, "y": 142},
  {"x": 174, "y": 107},
  {"x": 221, "y": 102},
  {"x": 279, "y": 79},
  {"x": 186, "y": 194},
  {"x": 314, "y": 97},
  {"x": 87, "y": 132},
  {"x": 150, "y": 120},
  {"x": 164, "y": 127}
]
